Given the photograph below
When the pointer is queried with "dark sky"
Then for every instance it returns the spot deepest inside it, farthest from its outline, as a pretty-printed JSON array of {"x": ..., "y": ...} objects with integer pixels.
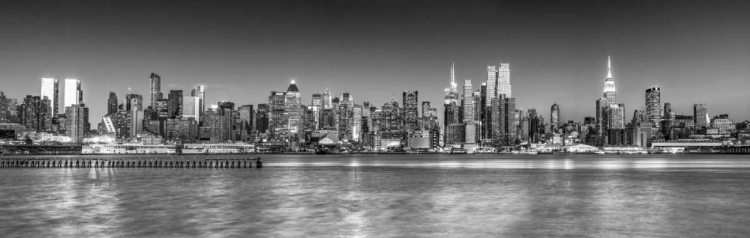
[{"x": 697, "y": 52}]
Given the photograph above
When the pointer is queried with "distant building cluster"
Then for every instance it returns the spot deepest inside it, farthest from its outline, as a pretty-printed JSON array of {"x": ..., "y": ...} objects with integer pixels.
[
  {"x": 487, "y": 119},
  {"x": 476, "y": 117}
]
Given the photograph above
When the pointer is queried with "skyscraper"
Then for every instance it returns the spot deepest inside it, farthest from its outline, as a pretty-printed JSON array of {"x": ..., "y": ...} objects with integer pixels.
[
  {"x": 293, "y": 112},
  {"x": 601, "y": 120},
  {"x": 34, "y": 113},
  {"x": 451, "y": 92},
  {"x": 610, "y": 92},
  {"x": 155, "y": 89},
  {"x": 700, "y": 115},
  {"x": 276, "y": 120},
  {"x": 653, "y": 105},
  {"x": 411, "y": 109},
  {"x": 247, "y": 120},
  {"x": 226, "y": 110},
  {"x": 616, "y": 124},
  {"x": 76, "y": 120},
  {"x": 50, "y": 89},
  {"x": 347, "y": 99},
  {"x": 492, "y": 75},
  {"x": 503, "y": 80},
  {"x": 468, "y": 102},
  {"x": 112, "y": 103},
  {"x": 316, "y": 106},
  {"x": 327, "y": 100},
  {"x": 357, "y": 122},
  {"x": 4, "y": 112},
  {"x": 200, "y": 92},
  {"x": 73, "y": 93},
  {"x": 261, "y": 118},
  {"x": 191, "y": 107},
  {"x": 133, "y": 102},
  {"x": 175, "y": 103},
  {"x": 554, "y": 117}
]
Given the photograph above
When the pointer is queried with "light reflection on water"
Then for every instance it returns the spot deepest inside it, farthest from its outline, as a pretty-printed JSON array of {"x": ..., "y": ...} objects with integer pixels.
[{"x": 389, "y": 196}]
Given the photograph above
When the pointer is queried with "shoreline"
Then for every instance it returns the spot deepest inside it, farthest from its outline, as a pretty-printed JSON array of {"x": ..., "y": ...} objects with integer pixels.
[{"x": 2, "y": 157}]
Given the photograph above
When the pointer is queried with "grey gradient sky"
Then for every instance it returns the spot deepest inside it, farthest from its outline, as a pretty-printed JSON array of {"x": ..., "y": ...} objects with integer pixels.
[{"x": 696, "y": 51}]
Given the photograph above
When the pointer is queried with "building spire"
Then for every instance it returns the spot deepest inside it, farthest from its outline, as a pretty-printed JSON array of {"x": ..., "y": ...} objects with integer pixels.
[
  {"x": 609, "y": 67},
  {"x": 453, "y": 73}
]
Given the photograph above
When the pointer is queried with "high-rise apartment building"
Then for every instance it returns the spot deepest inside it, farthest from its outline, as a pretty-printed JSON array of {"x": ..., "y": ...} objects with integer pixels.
[
  {"x": 73, "y": 93},
  {"x": 76, "y": 121},
  {"x": 50, "y": 89},
  {"x": 653, "y": 105}
]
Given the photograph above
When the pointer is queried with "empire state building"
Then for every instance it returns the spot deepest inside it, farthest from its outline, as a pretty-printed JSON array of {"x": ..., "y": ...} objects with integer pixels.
[{"x": 610, "y": 93}]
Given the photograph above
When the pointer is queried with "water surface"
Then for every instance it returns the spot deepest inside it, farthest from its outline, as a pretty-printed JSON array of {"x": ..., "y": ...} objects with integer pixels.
[{"x": 390, "y": 196}]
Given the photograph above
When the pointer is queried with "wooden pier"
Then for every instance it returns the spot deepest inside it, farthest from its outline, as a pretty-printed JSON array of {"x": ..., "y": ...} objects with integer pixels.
[{"x": 192, "y": 163}]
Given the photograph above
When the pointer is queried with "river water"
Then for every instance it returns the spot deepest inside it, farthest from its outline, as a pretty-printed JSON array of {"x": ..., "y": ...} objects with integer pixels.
[{"x": 389, "y": 196}]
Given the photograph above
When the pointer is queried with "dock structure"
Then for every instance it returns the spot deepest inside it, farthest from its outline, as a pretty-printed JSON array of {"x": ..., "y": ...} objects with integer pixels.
[{"x": 157, "y": 162}]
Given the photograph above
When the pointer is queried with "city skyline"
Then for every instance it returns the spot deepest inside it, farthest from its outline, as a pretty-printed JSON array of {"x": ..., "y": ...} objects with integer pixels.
[
  {"x": 567, "y": 69},
  {"x": 562, "y": 119}
]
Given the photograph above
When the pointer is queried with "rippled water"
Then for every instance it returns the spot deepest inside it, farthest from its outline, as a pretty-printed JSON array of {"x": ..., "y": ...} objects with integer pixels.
[{"x": 389, "y": 196}]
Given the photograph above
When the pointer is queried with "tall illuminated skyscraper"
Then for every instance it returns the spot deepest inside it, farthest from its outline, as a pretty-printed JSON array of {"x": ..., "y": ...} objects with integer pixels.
[
  {"x": 610, "y": 92},
  {"x": 451, "y": 110},
  {"x": 451, "y": 93},
  {"x": 503, "y": 80},
  {"x": 50, "y": 89},
  {"x": 73, "y": 93}
]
